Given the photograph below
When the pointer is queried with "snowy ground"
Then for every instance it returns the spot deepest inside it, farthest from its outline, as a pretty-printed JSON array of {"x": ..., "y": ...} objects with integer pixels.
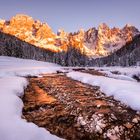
[
  {"x": 10, "y": 66},
  {"x": 122, "y": 89},
  {"x": 12, "y": 85},
  {"x": 126, "y": 72}
]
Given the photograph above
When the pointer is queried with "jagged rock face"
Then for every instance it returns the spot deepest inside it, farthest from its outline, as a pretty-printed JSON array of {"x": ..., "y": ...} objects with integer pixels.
[
  {"x": 90, "y": 38},
  {"x": 31, "y": 31},
  {"x": 105, "y": 40},
  {"x": 2, "y": 22},
  {"x": 128, "y": 55},
  {"x": 94, "y": 42}
]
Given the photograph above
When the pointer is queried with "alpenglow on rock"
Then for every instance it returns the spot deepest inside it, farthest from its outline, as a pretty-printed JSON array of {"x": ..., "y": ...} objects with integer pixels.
[{"x": 99, "y": 42}]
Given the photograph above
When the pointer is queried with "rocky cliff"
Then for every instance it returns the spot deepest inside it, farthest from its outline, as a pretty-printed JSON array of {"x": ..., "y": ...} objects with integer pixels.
[
  {"x": 105, "y": 40},
  {"x": 94, "y": 42},
  {"x": 24, "y": 37},
  {"x": 128, "y": 55}
]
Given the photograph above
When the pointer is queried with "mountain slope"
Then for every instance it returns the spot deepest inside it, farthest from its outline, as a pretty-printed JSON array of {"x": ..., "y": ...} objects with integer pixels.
[
  {"x": 94, "y": 42},
  {"x": 128, "y": 55},
  {"x": 27, "y": 38},
  {"x": 104, "y": 40},
  {"x": 13, "y": 46}
]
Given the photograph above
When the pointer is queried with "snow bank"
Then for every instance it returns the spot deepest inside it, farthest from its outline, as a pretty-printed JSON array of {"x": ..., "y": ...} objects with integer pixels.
[
  {"x": 127, "y": 92},
  {"x": 10, "y": 66},
  {"x": 12, "y": 127},
  {"x": 128, "y": 71},
  {"x": 119, "y": 76}
]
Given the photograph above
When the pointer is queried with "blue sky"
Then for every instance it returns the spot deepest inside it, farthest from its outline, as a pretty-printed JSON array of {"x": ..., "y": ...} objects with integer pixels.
[{"x": 72, "y": 15}]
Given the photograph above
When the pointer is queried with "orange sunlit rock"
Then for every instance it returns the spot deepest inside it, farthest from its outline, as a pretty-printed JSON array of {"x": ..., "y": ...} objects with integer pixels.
[{"x": 94, "y": 42}]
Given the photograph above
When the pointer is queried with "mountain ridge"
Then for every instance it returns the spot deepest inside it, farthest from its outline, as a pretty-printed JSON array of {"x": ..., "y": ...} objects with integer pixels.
[
  {"x": 27, "y": 38},
  {"x": 128, "y": 55},
  {"x": 94, "y": 42}
]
